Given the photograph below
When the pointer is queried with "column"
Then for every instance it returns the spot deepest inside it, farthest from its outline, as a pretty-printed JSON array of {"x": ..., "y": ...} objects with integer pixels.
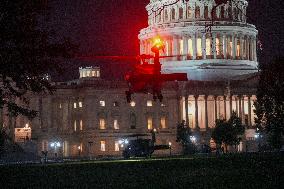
[
  {"x": 215, "y": 107},
  {"x": 214, "y": 52},
  {"x": 240, "y": 108},
  {"x": 225, "y": 107},
  {"x": 225, "y": 46},
  {"x": 249, "y": 111},
  {"x": 206, "y": 112},
  {"x": 231, "y": 105},
  {"x": 185, "y": 47},
  {"x": 254, "y": 50},
  {"x": 243, "y": 110},
  {"x": 241, "y": 46},
  {"x": 234, "y": 46},
  {"x": 196, "y": 111},
  {"x": 184, "y": 11},
  {"x": 203, "y": 46},
  {"x": 186, "y": 109},
  {"x": 175, "y": 47},
  {"x": 237, "y": 106},
  {"x": 194, "y": 46}
]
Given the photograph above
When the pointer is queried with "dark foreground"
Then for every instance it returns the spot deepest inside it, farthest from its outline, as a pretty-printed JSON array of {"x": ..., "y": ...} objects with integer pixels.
[{"x": 232, "y": 171}]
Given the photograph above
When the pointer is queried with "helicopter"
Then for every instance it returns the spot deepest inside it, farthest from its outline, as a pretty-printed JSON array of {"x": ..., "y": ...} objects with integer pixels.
[{"x": 146, "y": 77}]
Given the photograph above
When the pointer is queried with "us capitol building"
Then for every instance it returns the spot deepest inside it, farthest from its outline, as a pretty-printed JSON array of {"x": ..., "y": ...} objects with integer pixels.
[{"x": 88, "y": 116}]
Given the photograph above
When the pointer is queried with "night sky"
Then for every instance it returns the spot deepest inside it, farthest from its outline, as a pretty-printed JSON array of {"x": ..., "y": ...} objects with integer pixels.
[{"x": 110, "y": 27}]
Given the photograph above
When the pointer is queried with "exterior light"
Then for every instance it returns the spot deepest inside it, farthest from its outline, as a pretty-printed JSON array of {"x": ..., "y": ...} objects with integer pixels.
[
  {"x": 155, "y": 130},
  {"x": 256, "y": 136},
  {"x": 193, "y": 139},
  {"x": 158, "y": 45},
  {"x": 58, "y": 144},
  {"x": 170, "y": 144},
  {"x": 120, "y": 141},
  {"x": 121, "y": 146},
  {"x": 52, "y": 144},
  {"x": 79, "y": 147},
  {"x": 126, "y": 141}
]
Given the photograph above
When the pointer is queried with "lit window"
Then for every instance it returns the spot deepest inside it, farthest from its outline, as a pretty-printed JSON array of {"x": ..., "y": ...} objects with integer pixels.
[
  {"x": 80, "y": 104},
  {"x": 94, "y": 74},
  {"x": 197, "y": 12},
  {"x": 208, "y": 46},
  {"x": 190, "y": 49},
  {"x": 132, "y": 103},
  {"x": 218, "y": 45},
  {"x": 163, "y": 122},
  {"x": 238, "y": 50},
  {"x": 115, "y": 104},
  {"x": 75, "y": 105},
  {"x": 88, "y": 73},
  {"x": 102, "y": 103},
  {"x": 116, "y": 146},
  {"x": 163, "y": 105},
  {"x": 75, "y": 125},
  {"x": 81, "y": 125},
  {"x": 150, "y": 123},
  {"x": 103, "y": 146},
  {"x": 102, "y": 123},
  {"x": 115, "y": 124},
  {"x": 98, "y": 73},
  {"x": 149, "y": 103},
  {"x": 189, "y": 12},
  {"x": 60, "y": 105},
  {"x": 181, "y": 47},
  {"x": 199, "y": 47}
]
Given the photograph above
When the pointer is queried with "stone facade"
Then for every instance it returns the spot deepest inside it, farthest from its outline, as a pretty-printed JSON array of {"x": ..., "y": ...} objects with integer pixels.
[{"x": 87, "y": 116}]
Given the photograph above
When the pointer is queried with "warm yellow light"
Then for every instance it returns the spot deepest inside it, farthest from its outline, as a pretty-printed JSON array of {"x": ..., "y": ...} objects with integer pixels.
[{"x": 157, "y": 42}]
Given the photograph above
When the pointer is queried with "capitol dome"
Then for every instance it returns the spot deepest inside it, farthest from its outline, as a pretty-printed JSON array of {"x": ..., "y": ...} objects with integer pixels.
[{"x": 223, "y": 51}]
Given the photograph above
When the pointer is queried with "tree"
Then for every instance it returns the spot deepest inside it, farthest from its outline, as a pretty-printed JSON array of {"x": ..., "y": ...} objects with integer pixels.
[
  {"x": 228, "y": 132},
  {"x": 270, "y": 102},
  {"x": 184, "y": 137},
  {"x": 28, "y": 53}
]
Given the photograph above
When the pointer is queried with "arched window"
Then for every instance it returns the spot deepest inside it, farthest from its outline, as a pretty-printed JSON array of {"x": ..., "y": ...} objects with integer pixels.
[
  {"x": 230, "y": 12},
  {"x": 173, "y": 12},
  {"x": 199, "y": 47},
  {"x": 166, "y": 15},
  {"x": 235, "y": 13},
  {"x": 132, "y": 121},
  {"x": 206, "y": 12},
  {"x": 180, "y": 12},
  {"x": 222, "y": 12},
  {"x": 189, "y": 12},
  {"x": 190, "y": 49},
  {"x": 197, "y": 12},
  {"x": 238, "y": 50},
  {"x": 208, "y": 46}
]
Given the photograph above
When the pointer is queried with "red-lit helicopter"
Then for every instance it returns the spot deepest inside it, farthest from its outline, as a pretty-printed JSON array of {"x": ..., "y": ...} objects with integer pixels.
[{"x": 147, "y": 77}]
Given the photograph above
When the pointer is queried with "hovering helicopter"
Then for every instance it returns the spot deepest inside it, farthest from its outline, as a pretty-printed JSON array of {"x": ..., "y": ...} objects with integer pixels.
[{"x": 146, "y": 77}]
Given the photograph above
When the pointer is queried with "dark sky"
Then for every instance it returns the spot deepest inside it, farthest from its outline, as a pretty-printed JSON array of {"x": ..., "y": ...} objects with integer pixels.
[{"x": 110, "y": 27}]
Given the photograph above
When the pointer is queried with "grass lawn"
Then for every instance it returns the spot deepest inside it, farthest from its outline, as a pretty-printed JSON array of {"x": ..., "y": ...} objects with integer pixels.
[{"x": 240, "y": 171}]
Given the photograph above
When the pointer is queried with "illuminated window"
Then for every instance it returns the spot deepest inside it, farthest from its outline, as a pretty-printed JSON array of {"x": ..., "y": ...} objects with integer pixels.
[
  {"x": 218, "y": 45},
  {"x": 167, "y": 48},
  {"x": 60, "y": 105},
  {"x": 208, "y": 46},
  {"x": 149, "y": 103},
  {"x": 197, "y": 12},
  {"x": 44, "y": 145},
  {"x": 190, "y": 49},
  {"x": 116, "y": 146},
  {"x": 88, "y": 73},
  {"x": 75, "y": 125},
  {"x": 103, "y": 145},
  {"x": 150, "y": 123},
  {"x": 75, "y": 105},
  {"x": 102, "y": 123},
  {"x": 94, "y": 74},
  {"x": 181, "y": 47},
  {"x": 81, "y": 125},
  {"x": 199, "y": 47},
  {"x": 102, "y": 103},
  {"x": 115, "y": 124},
  {"x": 163, "y": 122},
  {"x": 98, "y": 73},
  {"x": 115, "y": 104},
  {"x": 80, "y": 104},
  {"x": 132, "y": 103}
]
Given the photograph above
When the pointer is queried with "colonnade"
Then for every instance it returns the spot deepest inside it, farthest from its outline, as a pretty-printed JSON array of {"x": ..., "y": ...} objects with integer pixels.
[
  {"x": 201, "y": 111},
  {"x": 196, "y": 11},
  {"x": 219, "y": 45}
]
